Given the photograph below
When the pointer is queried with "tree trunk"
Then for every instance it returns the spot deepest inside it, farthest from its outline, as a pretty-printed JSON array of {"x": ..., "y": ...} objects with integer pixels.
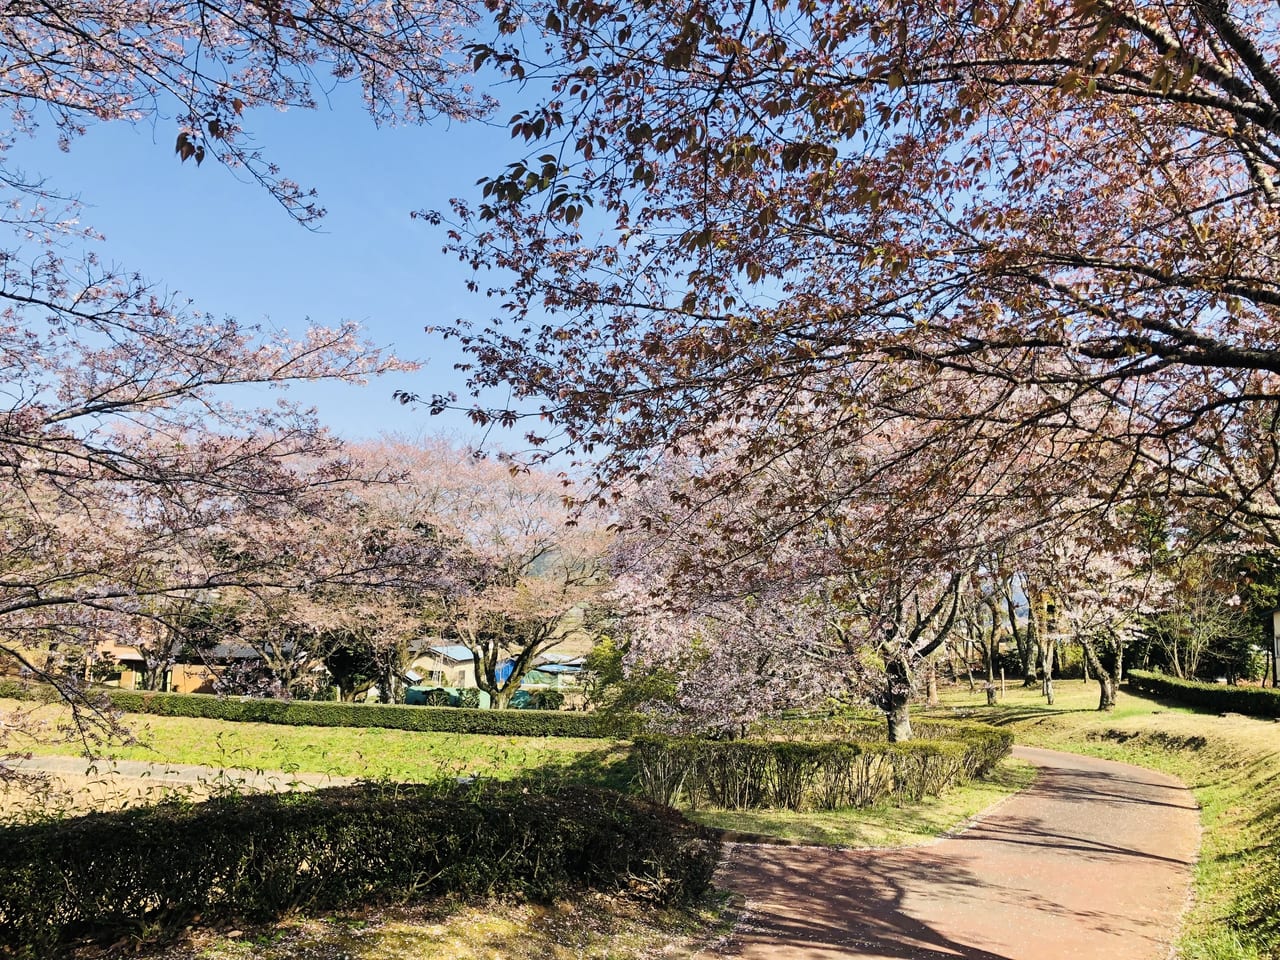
[
  {"x": 501, "y": 699},
  {"x": 152, "y": 677},
  {"x": 899, "y": 717},
  {"x": 897, "y": 702},
  {"x": 1047, "y": 652},
  {"x": 1106, "y": 682},
  {"x": 931, "y": 685},
  {"x": 1023, "y": 642},
  {"x": 1029, "y": 654},
  {"x": 1107, "y": 698}
]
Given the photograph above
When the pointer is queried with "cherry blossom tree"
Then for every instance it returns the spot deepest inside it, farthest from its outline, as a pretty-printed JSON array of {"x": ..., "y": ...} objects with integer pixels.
[
  {"x": 203, "y": 69},
  {"x": 902, "y": 616},
  {"x": 783, "y": 217},
  {"x": 523, "y": 574},
  {"x": 1203, "y": 609},
  {"x": 733, "y": 634},
  {"x": 789, "y": 587},
  {"x": 731, "y": 661},
  {"x": 450, "y": 543},
  {"x": 1102, "y": 597},
  {"x": 129, "y": 474},
  {"x": 1034, "y": 241}
]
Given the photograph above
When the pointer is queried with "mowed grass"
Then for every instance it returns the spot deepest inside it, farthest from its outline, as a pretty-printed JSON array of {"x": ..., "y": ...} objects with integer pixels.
[
  {"x": 1231, "y": 762},
  {"x": 886, "y": 825},
  {"x": 402, "y": 755}
]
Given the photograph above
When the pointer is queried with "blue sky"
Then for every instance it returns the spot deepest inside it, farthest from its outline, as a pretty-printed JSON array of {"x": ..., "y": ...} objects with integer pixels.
[{"x": 226, "y": 243}]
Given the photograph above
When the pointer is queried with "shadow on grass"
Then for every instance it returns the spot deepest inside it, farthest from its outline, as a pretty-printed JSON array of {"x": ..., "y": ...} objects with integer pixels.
[
  {"x": 612, "y": 767},
  {"x": 1003, "y": 717}
]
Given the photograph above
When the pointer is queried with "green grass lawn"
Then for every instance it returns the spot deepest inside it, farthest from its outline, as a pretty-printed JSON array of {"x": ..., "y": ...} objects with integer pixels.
[
  {"x": 418, "y": 756},
  {"x": 355, "y": 752},
  {"x": 1231, "y": 762}
]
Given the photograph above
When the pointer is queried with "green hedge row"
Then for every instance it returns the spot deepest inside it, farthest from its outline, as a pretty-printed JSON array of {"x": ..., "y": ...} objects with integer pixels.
[
  {"x": 313, "y": 713},
  {"x": 146, "y": 873},
  {"x": 817, "y": 774},
  {"x": 1220, "y": 697}
]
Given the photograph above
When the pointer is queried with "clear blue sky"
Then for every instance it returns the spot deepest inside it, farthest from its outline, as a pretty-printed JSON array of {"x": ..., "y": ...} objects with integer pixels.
[{"x": 226, "y": 243}]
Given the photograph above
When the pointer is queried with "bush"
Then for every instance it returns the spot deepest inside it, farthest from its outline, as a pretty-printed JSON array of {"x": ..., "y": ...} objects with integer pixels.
[
  {"x": 512, "y": 723},
  {"x": 548, "y": 700},
  {"x": 1221, "y": 698},
  {"x": 814, "y": 774},
  {"x": 147, "y": 872}
]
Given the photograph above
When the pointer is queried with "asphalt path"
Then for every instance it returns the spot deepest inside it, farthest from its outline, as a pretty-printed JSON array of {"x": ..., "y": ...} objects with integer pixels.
[{"x": 1092, "y": 862}]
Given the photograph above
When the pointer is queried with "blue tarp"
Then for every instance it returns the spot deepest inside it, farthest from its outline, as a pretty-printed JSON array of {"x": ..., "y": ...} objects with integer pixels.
[{"x": 540, "y": 676}]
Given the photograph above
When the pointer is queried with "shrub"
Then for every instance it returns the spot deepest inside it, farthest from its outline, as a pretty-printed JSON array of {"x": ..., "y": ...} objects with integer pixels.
[
  {"x": 145, "y": 872},
  {"x": 513, "y": 723},
  {"x": 548, "y": 700},
  {"x": 814, "y": 774},
  {"x": 1254, "y": 701},
  {"x": 12, "y": 689}
]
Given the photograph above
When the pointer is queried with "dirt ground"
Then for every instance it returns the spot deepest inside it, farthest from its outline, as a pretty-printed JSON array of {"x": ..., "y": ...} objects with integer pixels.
[{"x": 74, "y": 785}]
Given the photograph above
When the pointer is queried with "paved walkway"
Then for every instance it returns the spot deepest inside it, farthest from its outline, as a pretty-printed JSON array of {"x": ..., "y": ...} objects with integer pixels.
[
  {"x": 1093, "y": 862},
  {"x": 177, "y": 773}
]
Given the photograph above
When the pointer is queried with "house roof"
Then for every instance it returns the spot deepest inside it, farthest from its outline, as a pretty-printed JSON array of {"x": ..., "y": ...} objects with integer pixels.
[
  {"x": 560, "y": 668},
  {"x": 234, "y": 650},
  {"x": 567, "y": 659},
  {"x": 454, "y": 651},
  {"x": 218, "y": 653}
]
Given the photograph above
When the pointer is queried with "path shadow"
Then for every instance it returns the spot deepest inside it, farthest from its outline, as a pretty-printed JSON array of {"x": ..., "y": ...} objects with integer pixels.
[
  {"x": 808, "y": 902},
  {"x": 1051, "y": 874}
]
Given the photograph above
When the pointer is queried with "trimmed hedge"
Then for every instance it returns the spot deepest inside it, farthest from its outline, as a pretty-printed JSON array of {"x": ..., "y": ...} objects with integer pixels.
[
  {"x": 148, "y": 872},
  {"x": 513, "y": 723},
  {"x": 1219, "y": 697},
  {"x": 817, "y": 774}
]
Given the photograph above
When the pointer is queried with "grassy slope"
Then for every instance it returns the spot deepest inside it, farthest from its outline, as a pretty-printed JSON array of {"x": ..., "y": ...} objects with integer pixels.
[
  {"x": 347, "y": 751},
  {"x": 1232, "y": 763}
]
